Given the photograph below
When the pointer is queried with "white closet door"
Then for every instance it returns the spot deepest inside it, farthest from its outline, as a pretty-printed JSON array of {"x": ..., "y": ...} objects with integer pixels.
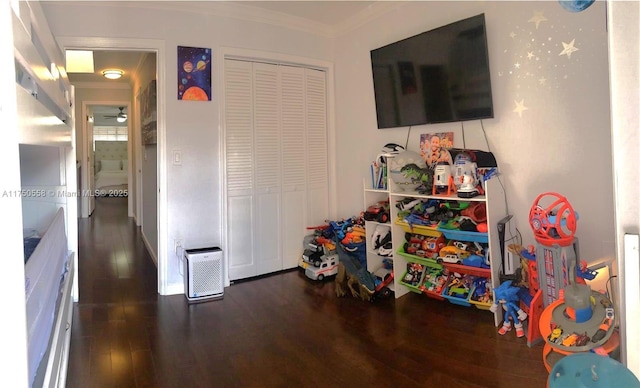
[
  {"x": 317, "y": 165},
  {"x": 293, "y": 164},
  {"x": 267, "y": 166},
  {"x": 276, "y": 163},
  {"x": 239, "y": 168}
]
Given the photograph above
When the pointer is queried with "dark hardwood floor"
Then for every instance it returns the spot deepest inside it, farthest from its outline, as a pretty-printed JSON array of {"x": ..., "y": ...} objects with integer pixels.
[{"x": 278, "y": 331}]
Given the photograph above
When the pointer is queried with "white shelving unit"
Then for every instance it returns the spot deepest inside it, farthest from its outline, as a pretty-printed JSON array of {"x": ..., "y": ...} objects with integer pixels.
[
  {"x": 496, "y": 210},
  {"x": 374, "y": 260}
]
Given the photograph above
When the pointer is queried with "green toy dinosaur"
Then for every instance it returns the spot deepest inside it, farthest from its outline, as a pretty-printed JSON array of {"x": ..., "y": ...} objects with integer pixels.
[{"x": 417, "y": 174}]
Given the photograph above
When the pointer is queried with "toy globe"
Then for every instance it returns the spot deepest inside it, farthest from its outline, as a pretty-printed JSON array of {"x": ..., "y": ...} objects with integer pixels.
[
  {"x": 406, "y": 169},
  {"x": 583, "y": 370},
  {"x": 553, "y": 220}
]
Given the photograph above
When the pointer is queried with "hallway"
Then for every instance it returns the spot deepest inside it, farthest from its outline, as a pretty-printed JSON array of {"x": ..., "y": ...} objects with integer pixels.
[{"x": 277, "y": 331}]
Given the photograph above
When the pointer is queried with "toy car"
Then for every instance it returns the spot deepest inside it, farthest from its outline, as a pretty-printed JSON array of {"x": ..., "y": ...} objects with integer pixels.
[
  {"x": 379, "y": 212},
  {"x": 313, "y": 254},
  {"x": 449, "y": 259},
  {"x": 327, "y": 267},
  {"x": 555, "y": 334},
  {"x": 570, "y": 340}
]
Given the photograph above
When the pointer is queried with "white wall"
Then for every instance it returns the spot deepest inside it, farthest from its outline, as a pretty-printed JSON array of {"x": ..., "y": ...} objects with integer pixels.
[
  {"x": 194, "y": 199},
  {"x": 560, "y": 144}
]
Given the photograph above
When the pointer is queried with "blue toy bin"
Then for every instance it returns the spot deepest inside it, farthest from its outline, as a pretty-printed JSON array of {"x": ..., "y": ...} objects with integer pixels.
[
  {"x": 582, "y": 370},
  {"x": 459, "y": 300}
]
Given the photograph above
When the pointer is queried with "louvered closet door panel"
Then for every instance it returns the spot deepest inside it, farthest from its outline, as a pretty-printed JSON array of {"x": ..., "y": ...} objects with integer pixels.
[
  {"x": 268, "y": 166},
  {"x": 317, "y": 166},
  {"x": 239, "y": 168},
  {"x": 293, "y": 164}
]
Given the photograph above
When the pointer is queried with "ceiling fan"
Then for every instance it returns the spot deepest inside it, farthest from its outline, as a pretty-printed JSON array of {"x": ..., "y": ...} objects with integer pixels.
[{"x": 120, "y": 117}]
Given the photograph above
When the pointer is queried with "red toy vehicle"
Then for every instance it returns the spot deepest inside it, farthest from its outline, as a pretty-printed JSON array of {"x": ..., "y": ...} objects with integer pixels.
[{"x": 379, "y": 212}]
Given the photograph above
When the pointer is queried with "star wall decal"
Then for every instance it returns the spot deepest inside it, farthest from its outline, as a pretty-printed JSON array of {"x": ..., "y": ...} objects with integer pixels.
[
  {"x": 543, "y": 81},
  {"x": 569, "y": 48},
  {"x": 520, "y": 107},
  {"x": 530, "y": 55},
  {"x": 538, "y": 18}
]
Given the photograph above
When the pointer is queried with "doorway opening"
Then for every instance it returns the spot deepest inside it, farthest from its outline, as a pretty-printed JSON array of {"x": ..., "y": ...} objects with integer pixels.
[{"x": 147, "y": 179}]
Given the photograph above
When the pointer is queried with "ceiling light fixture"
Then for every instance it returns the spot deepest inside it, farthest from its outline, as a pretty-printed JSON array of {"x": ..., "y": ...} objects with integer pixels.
[
  {"x": 121, "y": 119},
  {"x": 112, "y": 74}
]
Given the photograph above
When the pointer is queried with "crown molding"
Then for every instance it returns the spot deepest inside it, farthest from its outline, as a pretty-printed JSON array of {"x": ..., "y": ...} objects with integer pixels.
[
  {"x": 237, "y": 10},
  {"x": 102, "y": 85}
]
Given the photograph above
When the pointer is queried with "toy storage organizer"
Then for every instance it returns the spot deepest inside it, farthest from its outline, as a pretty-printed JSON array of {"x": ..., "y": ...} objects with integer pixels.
[{"x": 424, "y": 274}]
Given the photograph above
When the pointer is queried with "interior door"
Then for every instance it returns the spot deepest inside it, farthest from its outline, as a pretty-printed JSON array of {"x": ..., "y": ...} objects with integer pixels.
[
  {"x": 268, "y": 166},
  {"x": 293, "y": 118},
  {"x": 239, "y": 162}
]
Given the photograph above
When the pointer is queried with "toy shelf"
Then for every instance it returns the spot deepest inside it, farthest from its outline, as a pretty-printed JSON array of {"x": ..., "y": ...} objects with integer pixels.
[{"x": 493, "y": 199}]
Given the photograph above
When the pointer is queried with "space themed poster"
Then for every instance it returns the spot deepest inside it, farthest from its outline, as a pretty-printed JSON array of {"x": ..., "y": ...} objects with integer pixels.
[{"x": 194, "y": 73}]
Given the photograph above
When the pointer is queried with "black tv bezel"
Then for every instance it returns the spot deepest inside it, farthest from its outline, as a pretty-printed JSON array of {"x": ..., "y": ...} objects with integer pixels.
[{"x": 427, "y": 121}]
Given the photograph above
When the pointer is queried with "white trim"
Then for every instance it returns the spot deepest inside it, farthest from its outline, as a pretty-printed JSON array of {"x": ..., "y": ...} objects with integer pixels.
[
  {"x": 630, "y": 311},
  {"x": 102, "y": 85},
  {"x": 159, "y": 47},
  {"x": 269, "y": 57},
  {"x": 236, "y": 10},
  {"x": 149, "y": 248}
]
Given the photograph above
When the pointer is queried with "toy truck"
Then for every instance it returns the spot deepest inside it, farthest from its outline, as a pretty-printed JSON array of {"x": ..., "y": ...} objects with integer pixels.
[{"x": 328, "y": 266}]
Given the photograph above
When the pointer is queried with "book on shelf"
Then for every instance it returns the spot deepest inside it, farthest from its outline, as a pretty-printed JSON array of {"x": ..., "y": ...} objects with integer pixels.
[{"x": 378, "y": 176}]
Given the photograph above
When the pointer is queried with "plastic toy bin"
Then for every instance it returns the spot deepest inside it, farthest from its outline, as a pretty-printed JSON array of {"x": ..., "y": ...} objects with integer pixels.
[
  {"x": 478, "y": 304},
  {"x": 430, "y": 231},
  {"x": 430, "y": 284},
  {"x": 461, "y": 235},
  {"x": 451, "y": 297}
]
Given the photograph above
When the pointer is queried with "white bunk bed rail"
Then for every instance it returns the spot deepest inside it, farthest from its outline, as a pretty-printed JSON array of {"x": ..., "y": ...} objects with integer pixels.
[{"x": 48, "y": 304}]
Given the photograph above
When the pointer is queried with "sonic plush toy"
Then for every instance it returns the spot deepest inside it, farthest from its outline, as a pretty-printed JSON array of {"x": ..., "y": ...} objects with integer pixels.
[{"x": 507, "y": 296}]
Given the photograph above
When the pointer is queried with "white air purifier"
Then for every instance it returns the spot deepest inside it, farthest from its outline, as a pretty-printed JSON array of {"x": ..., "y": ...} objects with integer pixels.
[{"x": 203, "y": 274}]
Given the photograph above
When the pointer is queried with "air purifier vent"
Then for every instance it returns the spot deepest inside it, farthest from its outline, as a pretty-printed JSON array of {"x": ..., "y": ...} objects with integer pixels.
[{"x": 209, "y": 276}]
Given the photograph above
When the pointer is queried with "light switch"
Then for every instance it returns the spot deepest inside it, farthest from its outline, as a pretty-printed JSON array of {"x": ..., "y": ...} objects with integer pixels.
[{"x": 177, "y": 158}]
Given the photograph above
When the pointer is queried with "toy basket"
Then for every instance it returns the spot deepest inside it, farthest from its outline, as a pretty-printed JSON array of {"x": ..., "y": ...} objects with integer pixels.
[
  {"x": 477, "y": 303},
  {"x": 424, "y": 230},
  {"x": 430, "y": 284},
  {"x": 418, "y": 259},
  {"x": 459, "y": 299},
  {"x": 413, "y": 286},
  {"x": 462, "y": 235}
]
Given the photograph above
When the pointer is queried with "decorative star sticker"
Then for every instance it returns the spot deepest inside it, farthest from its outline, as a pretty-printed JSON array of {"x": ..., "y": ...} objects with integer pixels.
[
  {"x": 569, "y": 48},
  {"x": 517, "y": 65},
  {"x": 530, "y": 55},
  {"x": 538, "y": 18},
  {"x": 512, "y": 35},
  {"x": 543, "y": 81},
  {"x": 520, "y": 107}
]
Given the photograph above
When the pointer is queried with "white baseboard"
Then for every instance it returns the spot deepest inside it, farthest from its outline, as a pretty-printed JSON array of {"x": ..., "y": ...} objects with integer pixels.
[
  {"x": 150, "y": 249},
  {"x": 175, "y": 289}
]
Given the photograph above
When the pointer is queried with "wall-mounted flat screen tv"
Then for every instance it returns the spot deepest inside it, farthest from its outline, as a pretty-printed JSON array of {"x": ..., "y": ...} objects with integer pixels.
[{"x": 438, "y": 76}]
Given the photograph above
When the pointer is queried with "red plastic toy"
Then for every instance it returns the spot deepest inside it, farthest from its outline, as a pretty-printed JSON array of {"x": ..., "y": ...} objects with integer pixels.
[{"x": 553, "y": 220}]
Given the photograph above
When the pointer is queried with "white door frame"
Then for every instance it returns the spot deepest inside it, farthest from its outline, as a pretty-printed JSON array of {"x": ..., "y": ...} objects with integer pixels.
[
  {"x": 86, "y": 148},
  {"x": 157, "y": 46}
]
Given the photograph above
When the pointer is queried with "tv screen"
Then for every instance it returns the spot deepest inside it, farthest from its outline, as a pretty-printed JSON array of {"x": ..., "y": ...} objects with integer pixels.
[{"x": 439, "y": 76}]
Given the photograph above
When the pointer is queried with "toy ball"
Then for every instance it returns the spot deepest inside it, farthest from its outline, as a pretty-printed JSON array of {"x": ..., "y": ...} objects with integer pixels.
[
  {"x": 482, "y": 227},
  {"x": 553, "y": 220}
]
